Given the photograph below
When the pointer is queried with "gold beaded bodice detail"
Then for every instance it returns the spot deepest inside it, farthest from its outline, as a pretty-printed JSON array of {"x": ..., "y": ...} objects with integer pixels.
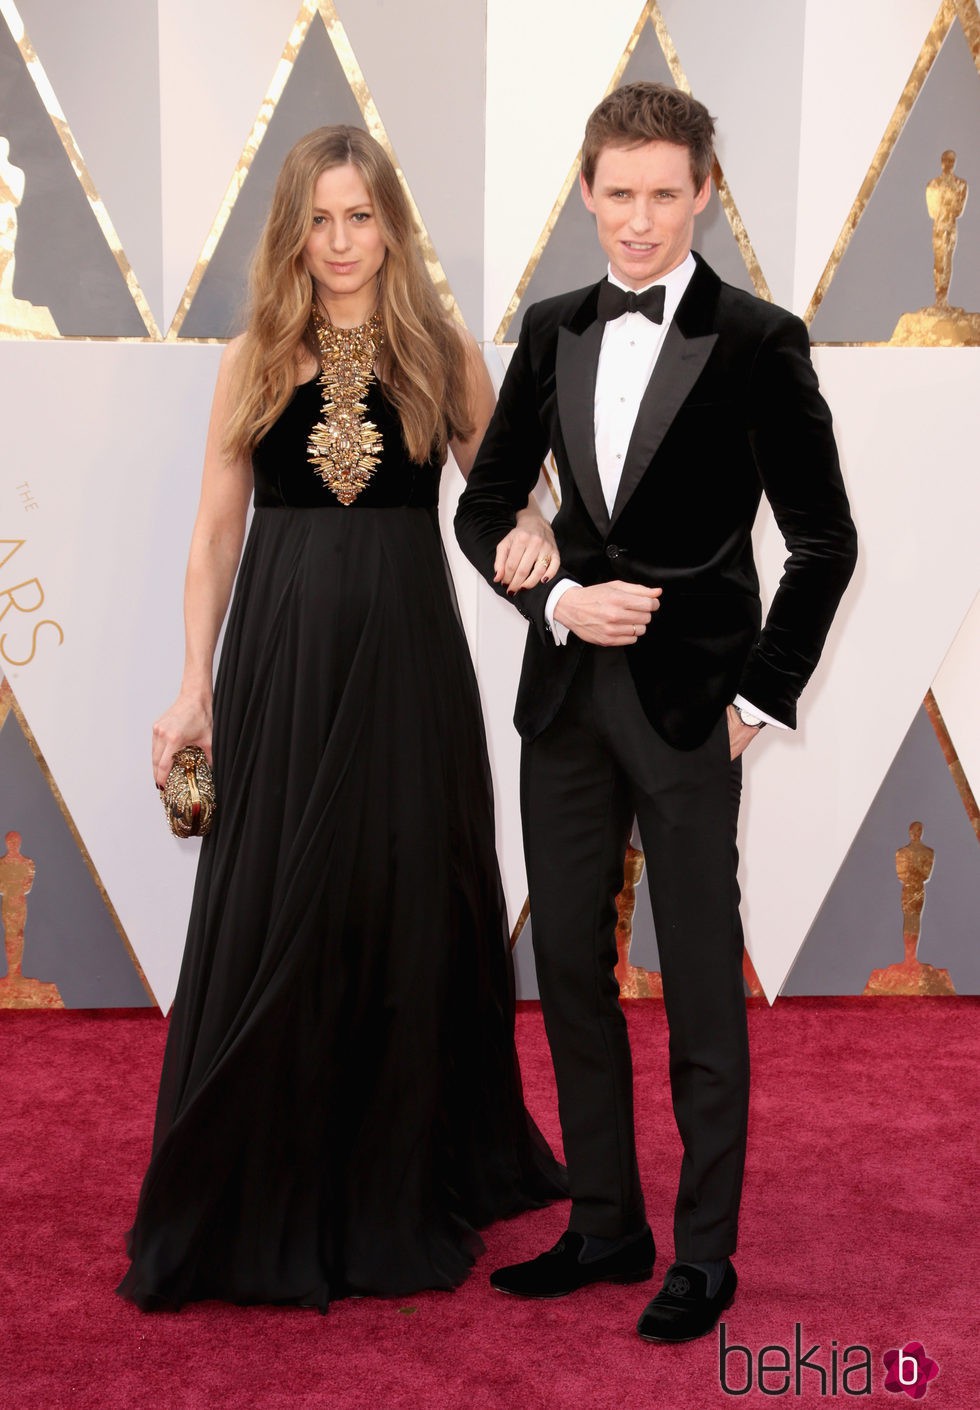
[{"x": 344, "y": 446}]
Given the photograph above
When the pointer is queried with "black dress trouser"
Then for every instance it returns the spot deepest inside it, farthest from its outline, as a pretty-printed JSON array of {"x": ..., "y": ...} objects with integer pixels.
[{"x": 599, "y": 763}]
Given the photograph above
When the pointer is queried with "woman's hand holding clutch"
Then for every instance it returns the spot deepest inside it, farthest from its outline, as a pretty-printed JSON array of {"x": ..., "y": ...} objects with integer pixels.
[{"x": 188, "y": 721}]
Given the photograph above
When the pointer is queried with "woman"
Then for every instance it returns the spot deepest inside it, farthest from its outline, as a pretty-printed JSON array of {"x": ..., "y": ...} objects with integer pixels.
[{"x": 340, "y": 1106}]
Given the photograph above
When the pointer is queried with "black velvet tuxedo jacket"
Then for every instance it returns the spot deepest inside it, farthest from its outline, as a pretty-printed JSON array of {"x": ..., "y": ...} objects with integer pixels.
[{"x": 731, "y": 412}]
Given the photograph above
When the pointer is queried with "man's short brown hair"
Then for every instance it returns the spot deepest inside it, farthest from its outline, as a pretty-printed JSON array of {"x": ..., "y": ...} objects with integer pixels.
[{"x": 650, "y": 112}]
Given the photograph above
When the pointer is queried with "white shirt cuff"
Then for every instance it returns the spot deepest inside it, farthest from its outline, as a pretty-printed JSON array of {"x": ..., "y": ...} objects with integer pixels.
[
  {"x": 558, "y": 632},
  {"x": 754, "y": 710}
]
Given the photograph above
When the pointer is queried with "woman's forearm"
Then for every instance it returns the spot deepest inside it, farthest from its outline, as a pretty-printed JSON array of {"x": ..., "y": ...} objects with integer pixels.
[{"x": 211, "y": 567}]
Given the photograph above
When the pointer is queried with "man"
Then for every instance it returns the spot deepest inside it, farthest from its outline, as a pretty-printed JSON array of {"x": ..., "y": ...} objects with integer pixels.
[{"x": 669, "y": 410}]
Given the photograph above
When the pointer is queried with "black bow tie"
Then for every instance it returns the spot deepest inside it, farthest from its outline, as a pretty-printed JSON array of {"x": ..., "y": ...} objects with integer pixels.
[{"x": 614, "y": 302}]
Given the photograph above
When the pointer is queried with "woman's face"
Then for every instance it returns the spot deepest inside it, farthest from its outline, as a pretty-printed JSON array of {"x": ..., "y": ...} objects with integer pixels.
[{"x": 345, "y": 250}]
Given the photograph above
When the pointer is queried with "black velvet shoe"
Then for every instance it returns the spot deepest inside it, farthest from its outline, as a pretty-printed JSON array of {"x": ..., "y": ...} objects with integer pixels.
[
  {"x": 682, "y": 1309},
  {"x": 561, "y": 1270}
]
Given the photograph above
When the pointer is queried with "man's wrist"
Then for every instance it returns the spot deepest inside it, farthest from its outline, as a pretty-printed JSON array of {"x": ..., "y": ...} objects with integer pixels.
[
  {"x": 747, "y": 717},
  {"x": 753, "y": 716},
  {"x": 557, "y": 629}
]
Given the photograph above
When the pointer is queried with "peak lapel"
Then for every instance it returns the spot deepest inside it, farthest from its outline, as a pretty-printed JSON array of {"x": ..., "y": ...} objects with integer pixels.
[
  {"x": 576, "y": 361},
  {"x": 686, "y": 348}
]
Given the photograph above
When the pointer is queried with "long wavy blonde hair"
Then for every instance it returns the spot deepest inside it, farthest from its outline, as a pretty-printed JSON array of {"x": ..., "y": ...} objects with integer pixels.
[{"x": 420, "y": 367}]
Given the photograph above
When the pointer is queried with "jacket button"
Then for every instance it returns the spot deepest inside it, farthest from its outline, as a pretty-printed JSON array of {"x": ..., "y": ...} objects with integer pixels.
[{"x": 613, "y": 550}]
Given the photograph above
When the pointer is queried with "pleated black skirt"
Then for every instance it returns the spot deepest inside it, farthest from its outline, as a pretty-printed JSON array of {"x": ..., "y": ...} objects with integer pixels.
[{"x": 340, "y": 1108}]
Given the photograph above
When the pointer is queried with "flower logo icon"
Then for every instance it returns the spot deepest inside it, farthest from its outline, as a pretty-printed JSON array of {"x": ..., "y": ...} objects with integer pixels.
[{"x": 910, "y": 1369}]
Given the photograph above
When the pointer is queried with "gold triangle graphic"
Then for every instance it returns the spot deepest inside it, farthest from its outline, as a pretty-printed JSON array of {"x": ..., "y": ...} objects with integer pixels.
[
  {"x": 520, "y": 922},
  {"x": 550, "y": 472},
  {"x": 950, "y": 10},
  {"x": 309, "y": 10},
  {"x": 9, "y": 705},
  {"x": 9, "y": 12},
  {"x": 952, "y": 761},
  {"x": 650, "y": 14}
]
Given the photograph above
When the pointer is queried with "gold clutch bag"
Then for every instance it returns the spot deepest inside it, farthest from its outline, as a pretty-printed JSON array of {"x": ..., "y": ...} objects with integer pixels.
[{"x": 188, "y": 794}]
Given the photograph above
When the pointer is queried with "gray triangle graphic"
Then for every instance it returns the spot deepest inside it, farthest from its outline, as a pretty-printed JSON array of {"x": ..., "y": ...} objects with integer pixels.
[
  {"x": 63, "y": 261},
  {"x": 525, "y": 975},
  {"x": 643, "y": 947},
  {"x": 572, "y": 257},
  {"x": 886, "y": 269},
  {"x": 316, "y": 94},
  {"x": 69, "y": 936},
  {"x": 859, "y": 925}
]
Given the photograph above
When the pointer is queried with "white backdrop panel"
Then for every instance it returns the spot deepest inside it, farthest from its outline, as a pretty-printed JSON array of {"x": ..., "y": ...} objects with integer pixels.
[
  {"x": 903, "y": 417},
  {"x": 111, "y": 448},
  {"x": 957, "y": 692}
]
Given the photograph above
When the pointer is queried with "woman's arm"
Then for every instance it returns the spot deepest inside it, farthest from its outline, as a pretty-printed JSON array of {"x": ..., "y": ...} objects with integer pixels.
[
  {"x": 216, "y": 546},
  {"x": 528, "y": 555}
]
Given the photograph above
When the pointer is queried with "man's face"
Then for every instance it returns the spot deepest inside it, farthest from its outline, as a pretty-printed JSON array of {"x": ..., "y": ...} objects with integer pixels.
[{"x": 644, "y": 202}]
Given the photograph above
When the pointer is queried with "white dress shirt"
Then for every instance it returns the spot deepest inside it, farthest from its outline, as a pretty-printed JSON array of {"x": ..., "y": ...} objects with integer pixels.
[{"x": 630, "y": 347}]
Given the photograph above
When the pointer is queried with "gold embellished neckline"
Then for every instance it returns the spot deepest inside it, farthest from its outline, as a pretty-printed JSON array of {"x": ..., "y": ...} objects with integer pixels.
[{"x": 344, "y": 446}]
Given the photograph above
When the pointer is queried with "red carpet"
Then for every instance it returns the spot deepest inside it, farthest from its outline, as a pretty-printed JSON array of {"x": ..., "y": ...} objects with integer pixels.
[{"x": 859, "y": 1222}]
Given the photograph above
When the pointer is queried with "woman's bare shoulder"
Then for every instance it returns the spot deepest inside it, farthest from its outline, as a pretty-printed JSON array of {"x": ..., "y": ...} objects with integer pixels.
[{"x": 232, "y": 352}]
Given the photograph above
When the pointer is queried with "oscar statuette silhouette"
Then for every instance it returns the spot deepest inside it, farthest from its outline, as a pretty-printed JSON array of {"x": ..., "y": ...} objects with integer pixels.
[
  {"x": 16, "y": 880},
  {"x": 913, "y": 866}
]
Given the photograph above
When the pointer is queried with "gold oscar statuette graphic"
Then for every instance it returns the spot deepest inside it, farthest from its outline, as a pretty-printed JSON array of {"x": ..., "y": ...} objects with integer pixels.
[
  {"x": 16, "y": 880},
  {"x": 634, "y": 983},
  {"x": 637, "y": 983},
  {"x": 913, "y": 866},
  {"x": 943, "y": 325},
  {"x": 17, "y": 316}
]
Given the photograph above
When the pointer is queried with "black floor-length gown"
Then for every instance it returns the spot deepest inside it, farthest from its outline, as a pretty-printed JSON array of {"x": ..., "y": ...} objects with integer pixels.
[{"x": 340, "y": 1107}]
